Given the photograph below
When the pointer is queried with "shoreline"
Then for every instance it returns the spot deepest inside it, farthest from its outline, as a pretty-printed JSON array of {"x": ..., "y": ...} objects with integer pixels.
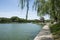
[{"x": 44, "y": 34}]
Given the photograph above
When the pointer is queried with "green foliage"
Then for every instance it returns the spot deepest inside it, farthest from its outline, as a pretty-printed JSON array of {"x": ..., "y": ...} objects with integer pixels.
[
  {"x": 3, "y": 20},
  {"x": 43, "y": 7},
  {"x": 50, "y": 7},
  {"x": 16, "y": 19},
  {"x": 55, "y": 29},
  {"x": 24, "y": 3}
]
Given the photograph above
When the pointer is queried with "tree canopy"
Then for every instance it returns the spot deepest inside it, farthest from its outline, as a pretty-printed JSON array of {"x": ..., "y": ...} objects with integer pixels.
[
  {"x": 24, "y": 3},
  {"x": 50, "y": 7}
]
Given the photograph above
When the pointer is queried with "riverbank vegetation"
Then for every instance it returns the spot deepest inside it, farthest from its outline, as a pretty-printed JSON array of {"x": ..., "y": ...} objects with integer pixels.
[
  {"x": 55, "y": 29},
  {"x": 16, "y": 19}
]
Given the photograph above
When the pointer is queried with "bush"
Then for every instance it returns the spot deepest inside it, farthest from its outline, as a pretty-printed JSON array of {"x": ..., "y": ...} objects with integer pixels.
[{"x": 55, "y": 29}]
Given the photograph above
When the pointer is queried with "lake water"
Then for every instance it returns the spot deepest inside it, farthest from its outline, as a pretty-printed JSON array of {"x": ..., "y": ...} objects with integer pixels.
[{"x": 24, "y": 31}]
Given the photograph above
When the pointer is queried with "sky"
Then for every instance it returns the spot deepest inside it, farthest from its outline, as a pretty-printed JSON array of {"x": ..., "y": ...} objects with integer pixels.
[{"x": 9, "y": 8}]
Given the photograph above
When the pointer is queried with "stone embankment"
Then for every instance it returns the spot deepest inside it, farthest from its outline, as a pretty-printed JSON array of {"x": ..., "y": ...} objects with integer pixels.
[{"x": 44, "y": 34}]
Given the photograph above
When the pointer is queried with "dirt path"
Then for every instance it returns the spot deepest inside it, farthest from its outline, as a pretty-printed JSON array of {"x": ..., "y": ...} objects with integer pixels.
[{"x": 44, "y": 34}]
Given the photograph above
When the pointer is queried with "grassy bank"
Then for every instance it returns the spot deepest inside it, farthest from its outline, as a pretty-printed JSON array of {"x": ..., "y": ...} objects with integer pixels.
[{"x": 55, "y": 29}]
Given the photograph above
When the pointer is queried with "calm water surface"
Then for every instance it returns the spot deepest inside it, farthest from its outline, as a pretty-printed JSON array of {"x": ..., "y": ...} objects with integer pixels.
[{"x": 24, "y": 31}]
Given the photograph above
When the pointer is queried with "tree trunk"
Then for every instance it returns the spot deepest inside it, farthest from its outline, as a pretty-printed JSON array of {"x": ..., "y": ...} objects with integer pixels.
[
  {"x": 27, "y": 14},
  {"x": 27, "y": 9}
]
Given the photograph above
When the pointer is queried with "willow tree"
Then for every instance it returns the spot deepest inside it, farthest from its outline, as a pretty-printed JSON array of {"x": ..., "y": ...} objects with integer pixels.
[
  {"x": 24, "y": 3},
  {"x": 40, "y": 5},
  {"x": 51, "y": 7}
]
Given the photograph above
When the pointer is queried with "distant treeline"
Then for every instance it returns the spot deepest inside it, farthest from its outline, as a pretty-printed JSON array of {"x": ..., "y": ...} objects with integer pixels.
[{"x": 15, "y": 19}]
